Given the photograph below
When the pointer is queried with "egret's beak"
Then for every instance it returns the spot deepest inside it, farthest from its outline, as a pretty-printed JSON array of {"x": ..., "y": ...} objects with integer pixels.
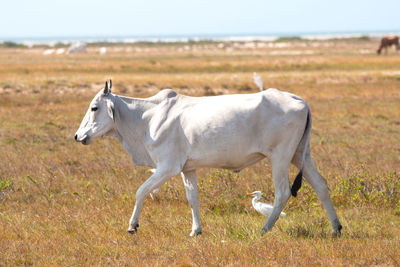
[{"x": 250, "y": 194}]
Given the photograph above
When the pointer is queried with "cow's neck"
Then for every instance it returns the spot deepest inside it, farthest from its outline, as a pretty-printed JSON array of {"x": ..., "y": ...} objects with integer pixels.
[
  {"x": 131, "y": 127},
  {"x": 130, "y": 112}
]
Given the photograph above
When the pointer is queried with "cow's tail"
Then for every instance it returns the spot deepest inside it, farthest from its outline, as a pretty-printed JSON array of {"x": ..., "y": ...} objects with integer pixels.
[{"x": 301, "y": 153}]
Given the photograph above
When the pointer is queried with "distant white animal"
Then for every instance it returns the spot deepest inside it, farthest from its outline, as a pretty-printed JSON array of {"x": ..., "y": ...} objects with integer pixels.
[
  {"x": 175, "y": 134},
  {"x": 103, "y": 51},
  {"x": 77, "y": 47},
  {"x": 48, "y": 52},
  {"x": 60, "y": 51},
  {"x": 258, "y": 81},
  {"x": 263, "y": 208}
]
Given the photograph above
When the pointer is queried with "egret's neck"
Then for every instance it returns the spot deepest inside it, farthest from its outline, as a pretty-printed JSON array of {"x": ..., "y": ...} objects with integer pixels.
[{"x": 255, "y": 199}]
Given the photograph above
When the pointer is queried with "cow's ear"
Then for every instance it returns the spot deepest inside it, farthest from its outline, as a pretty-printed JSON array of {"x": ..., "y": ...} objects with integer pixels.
[
  {"x": 110, "y": 109},
  {"x": 107, "y": 89}
]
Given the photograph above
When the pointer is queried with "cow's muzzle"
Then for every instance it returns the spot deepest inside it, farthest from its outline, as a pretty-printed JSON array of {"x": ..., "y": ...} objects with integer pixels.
[{"x": 85, "y": 140}]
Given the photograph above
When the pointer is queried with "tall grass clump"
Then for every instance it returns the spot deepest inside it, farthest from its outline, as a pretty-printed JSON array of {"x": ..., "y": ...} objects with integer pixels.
[{"x": 365, "y": 189}]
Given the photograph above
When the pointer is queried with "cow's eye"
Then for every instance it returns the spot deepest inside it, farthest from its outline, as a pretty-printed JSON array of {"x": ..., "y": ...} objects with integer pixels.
[{"x": 94, "y": 108}]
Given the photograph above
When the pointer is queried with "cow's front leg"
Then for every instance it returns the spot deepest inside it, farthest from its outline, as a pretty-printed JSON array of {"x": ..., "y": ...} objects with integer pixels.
[
  {"x": 160, "y": 176},
  {"x": 190, "y": 182}
]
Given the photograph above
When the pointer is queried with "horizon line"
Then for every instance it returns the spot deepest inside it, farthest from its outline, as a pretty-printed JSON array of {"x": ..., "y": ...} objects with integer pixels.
[{"x": 199, "y": 35}]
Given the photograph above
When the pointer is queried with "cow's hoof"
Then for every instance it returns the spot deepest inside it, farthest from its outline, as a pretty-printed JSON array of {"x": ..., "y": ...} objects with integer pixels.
[
  {"x": 132, "y": 231},
  {"x": 195, "y": 233},
  {"x": 133, "y": 228},
  {"x": 264, "y": 230},
  {"x": 338, "y": 232}
]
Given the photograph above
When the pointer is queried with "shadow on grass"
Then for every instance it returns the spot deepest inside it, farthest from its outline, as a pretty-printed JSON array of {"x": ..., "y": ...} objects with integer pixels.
[
  {"x": 310, "y": 232},
  {"x": 303, "y": 231}
]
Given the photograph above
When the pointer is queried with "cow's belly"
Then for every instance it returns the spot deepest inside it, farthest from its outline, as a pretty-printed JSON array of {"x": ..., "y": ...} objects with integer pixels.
[
  {"x": 236, "y": 145},
  {"x": 225, "y": 161}
]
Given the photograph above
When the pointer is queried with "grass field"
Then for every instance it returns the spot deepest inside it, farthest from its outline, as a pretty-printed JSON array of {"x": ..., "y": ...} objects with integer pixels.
[{"x": 62, "y": 203}]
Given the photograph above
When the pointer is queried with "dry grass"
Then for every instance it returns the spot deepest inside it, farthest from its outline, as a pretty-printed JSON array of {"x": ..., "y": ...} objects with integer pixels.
[{"x": 62, "y": 203}]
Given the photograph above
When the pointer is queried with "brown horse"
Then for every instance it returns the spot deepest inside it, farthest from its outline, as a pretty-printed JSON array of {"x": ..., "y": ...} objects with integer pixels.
[{"x": 388, "y": 41}]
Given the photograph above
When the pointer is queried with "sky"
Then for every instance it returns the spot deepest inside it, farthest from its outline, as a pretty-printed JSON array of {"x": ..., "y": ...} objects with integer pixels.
[{"x": 58, "y": 18}]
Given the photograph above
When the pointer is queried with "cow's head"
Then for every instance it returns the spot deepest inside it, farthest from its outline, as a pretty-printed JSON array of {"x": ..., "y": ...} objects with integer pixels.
[{"x": 99, "y": 119}]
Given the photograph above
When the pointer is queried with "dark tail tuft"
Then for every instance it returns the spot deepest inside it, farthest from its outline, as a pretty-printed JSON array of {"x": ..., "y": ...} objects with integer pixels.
[{"x": 297, "y": 183}]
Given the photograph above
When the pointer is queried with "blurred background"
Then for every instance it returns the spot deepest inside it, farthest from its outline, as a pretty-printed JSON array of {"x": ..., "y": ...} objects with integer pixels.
[{"x": 129, "y": 21}]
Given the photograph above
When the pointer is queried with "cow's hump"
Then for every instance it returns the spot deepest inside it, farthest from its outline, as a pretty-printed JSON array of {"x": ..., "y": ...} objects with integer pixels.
[{"x": 163, "y": 95}]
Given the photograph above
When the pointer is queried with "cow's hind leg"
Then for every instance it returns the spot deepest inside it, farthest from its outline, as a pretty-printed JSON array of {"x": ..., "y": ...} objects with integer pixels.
[
  {"x": 319, "y": 184},
  {"x": 280, "y": 175},
  {"x": 190, "y": 182},
  {"x": 157, "y": 179}
]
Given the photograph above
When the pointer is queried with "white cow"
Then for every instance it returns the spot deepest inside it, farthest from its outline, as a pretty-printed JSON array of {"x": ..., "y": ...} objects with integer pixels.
[{"x": 175, "y": 134}]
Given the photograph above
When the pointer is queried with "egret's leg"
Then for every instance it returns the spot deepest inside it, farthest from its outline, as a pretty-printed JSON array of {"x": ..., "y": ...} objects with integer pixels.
[
  {"x": 156, "y": 180},
  {"x": 155, "y": 191},
  {"x": 280, "y": 175},
  {"x": 190, "y": 182},
  {"x": 319, "y": 184}
]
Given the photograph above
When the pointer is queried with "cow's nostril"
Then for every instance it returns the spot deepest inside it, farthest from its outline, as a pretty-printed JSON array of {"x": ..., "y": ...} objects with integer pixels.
[{"x": 76, "y": 137}]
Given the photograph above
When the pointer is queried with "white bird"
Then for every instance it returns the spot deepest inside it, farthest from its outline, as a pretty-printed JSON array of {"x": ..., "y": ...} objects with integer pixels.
[
  {"x": 257, "y": 80},
  {"x": 263, "y": 208}
]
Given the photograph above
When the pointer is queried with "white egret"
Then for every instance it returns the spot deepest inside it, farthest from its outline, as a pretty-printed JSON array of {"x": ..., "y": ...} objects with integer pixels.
[
  {"x": 263, "y": 208},
  {"x": 257, "y": 80}
]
